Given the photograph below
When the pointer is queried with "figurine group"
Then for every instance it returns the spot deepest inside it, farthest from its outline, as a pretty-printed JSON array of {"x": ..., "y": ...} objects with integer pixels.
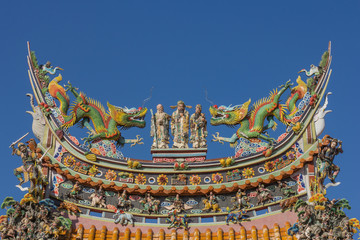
[
  {"x": 263, "y": 195},
  {"x": 151, "y": 205},
  {"x": 32, "y": 220},
  {"x": 124, "y": 204},
  {"x": 97, "y": 198},
  {"x": 322, "y": 219},
  {"x": 180, "y": 122}
]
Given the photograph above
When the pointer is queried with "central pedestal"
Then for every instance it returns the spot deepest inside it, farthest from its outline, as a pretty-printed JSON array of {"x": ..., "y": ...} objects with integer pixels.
[{"x": 179, "y": 155}]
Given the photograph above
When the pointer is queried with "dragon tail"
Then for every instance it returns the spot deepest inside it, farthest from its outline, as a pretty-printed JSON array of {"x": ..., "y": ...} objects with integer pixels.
[
  {"x": 280, "y": 114},
  {"x": 70, "y": 120}
]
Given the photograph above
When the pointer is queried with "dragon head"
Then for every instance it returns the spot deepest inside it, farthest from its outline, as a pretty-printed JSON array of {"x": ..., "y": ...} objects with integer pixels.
[
  {"x": 230, "y": 115},
  {"x": 128, "y": 117}
]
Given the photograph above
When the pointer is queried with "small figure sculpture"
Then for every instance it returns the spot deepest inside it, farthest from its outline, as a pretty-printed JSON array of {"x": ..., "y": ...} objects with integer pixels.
[
  {"x": 160, "y": 128},
  {"x": 313, "y": 70},
  {"x": 211, "y": 203},
  {"x": 74, "y": 193},
  {"x": 71, "y": 208},
  {"x": 101, "y": 193},
  {"x": 42, "y": 214},
  {"x": 293, "y": 230},
  {"x": 24, "y": 173},
  {"x": 327, "y": 152},
  {"x": 123, "y": 218},
  {"x": 180, "y": 125},
  {"x": 49, "y": 69},
  {"x": 177, "y": 221},
  {"x": 178, "y": 205},
  {"x": 288, "y": 203},
  {"x": 150, "y": 204},
  {"x": 98, "y": 198},
  {"x": 198, "y": 128},
  {"x": 123, "y": 202},
  {"x": 285, "y": 189},
  {"x": 241, "y": 200},
  {"x": 237, "y": 217},
  {"x": 263, "y": 194}
]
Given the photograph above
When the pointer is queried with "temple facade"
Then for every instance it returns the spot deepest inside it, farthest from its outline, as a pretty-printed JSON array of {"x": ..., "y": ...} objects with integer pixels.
[{"x": 271, "y": 188}]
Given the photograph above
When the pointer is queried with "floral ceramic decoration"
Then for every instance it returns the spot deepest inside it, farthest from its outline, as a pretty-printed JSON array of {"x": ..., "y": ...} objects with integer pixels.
[
  {"x": 270, "y": 166},
  {"x": 110, "y": 175},
  {"x": 291, "y": 155},
  {"x": 217, "y": 178},
  {"x": 162, "y": 179},
  {"x": 248, "y": 172},
  {"x": 69, "y": 161},
  {"x": 195, "y": 180},
  {"x": 93, "y": 170}
]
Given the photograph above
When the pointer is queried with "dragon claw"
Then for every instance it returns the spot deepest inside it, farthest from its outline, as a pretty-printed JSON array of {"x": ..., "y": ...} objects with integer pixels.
[
  {"x": 87, "y": 141},
  {"x": 217, "y": 138},
  {"x": 69, "y": 87},
  {"x": 287, "y": 84},
  {"x": 90, "y": 133},
  {"x": 138, "y": 140}
]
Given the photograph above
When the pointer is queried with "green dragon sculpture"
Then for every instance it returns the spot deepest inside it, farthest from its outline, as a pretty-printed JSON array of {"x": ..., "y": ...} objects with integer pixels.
[
  {"x": 84, "y": 109},
  {"x": 252, "y": 121}
]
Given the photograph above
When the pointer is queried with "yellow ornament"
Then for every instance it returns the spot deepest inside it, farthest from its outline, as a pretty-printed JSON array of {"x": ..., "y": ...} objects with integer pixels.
[
  {"x": 135, "y": 164},
  {"x": 222, "y": 162},
  {"x": 228, "y": 161},
  {"x": 130, "y": 163}
]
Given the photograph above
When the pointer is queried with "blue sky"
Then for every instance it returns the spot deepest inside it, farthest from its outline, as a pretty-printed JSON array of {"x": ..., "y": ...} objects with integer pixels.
[{"x": 117, "y": 51}]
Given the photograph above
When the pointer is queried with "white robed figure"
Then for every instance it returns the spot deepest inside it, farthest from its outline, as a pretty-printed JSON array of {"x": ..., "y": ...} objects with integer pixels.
[
  {"x": 160, "y": 122},
  {"x": 180, "y": 125}
]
